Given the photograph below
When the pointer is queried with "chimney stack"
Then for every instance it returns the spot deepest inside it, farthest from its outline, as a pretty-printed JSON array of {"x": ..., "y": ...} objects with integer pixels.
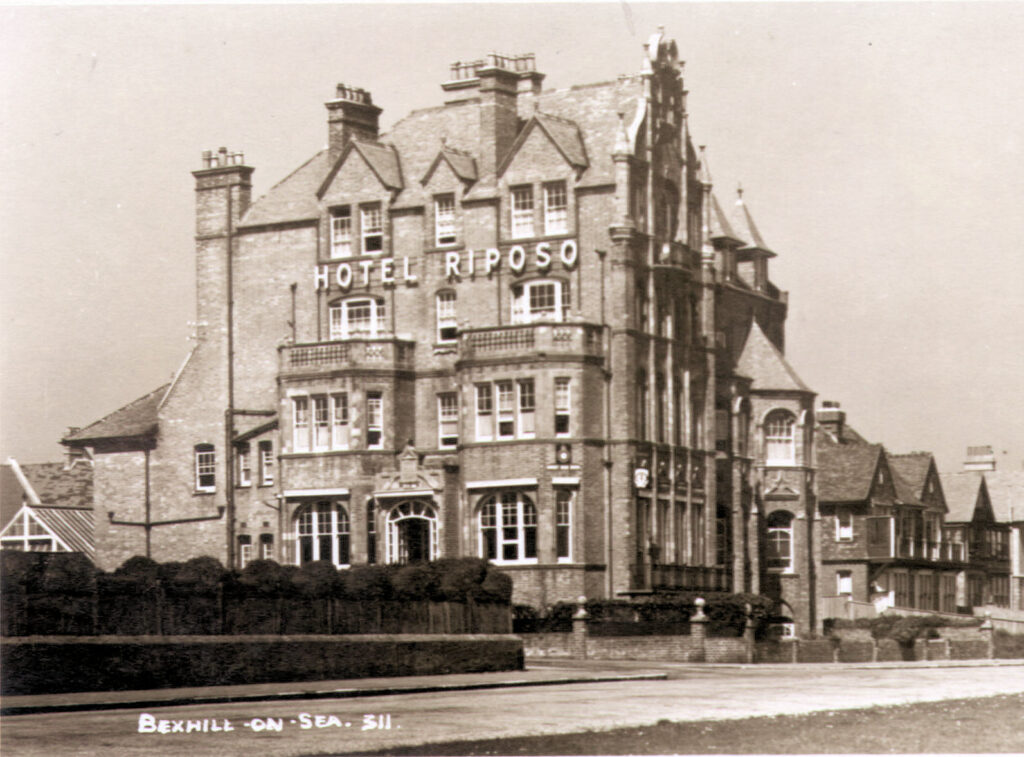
[
  {"x": 980, "y": 459},
  {"x": 831, "y": 418},
  {"x": 501, "y": 83},
  {"x": 351, "y": 114}
]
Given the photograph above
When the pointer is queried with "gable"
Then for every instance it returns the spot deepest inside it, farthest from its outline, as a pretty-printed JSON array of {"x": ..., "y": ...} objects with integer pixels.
[
  {"x": 883, "y": 485},
  {"x": 441, "y": 177},
  {"x": 351, "y": 180},
  {"x": 535, "y": 158},
  {"x": 932, "y": 493},
  {"x": 983, "y": 512}
]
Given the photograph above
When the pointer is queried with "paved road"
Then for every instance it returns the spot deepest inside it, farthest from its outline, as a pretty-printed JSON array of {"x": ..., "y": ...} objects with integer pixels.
[{"x": 690, "y": 693}]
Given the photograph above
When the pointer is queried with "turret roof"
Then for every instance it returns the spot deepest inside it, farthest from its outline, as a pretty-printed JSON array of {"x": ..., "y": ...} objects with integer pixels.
[{"x": 762, "y": 361}]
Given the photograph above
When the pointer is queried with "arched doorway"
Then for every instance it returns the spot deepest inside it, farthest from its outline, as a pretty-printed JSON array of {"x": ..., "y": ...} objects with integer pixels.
[{"x": 412, "y": 532}]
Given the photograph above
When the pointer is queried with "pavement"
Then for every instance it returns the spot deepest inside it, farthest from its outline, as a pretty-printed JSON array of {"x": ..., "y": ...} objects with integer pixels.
[{"x": 538, "y": 672}]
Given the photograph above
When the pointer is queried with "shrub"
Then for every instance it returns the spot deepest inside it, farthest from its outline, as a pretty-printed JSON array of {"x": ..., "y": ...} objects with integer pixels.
[
  {"x": 415, "y": 582},
  {"x": 139, "y": 567},
  {"x": 370, "y": 582},
  {"x": 496, "y": 587},
  {"x": 461, "y": 578},
  {"x": 263, "y": 577},
  {"x": 1008, "y": 645},
  {"x": 318, "y": 579},
  {"x": 67, "y": 574}
]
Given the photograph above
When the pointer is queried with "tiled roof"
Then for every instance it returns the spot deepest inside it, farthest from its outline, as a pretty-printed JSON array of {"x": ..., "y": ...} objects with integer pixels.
[
  {"x": 904, "y": 491},
  {"x": 56, "y": 485},
  {"x": 845, "y": 471},
  {"x": 383, "y": 161},
  {"x": 913, "y": 468},
  {"x": 463, "y": 165},
  {"x": 1006, "y": 492},
  {"x": 72, "y": 525},
  {"x": 566, "y": 135},
  {"x": 582, "y": 121},
  {"x": 138, "y": 418},
  {"x": 291, "y": 199},
  {"x": 962, "y": 490},
  {"x": 762, "y": 362},
  {"x": 743, "y": 222},
  {"x": 720, "y": 226}
]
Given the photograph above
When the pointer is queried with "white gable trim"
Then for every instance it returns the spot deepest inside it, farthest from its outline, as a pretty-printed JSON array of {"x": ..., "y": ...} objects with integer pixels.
[{"x": 26, "y": 485}]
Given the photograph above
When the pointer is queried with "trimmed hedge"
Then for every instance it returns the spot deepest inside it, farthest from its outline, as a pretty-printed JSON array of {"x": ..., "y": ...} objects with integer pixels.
[
  {"x": 48, "y": 594},
  {"x": 36, "y": 666}
]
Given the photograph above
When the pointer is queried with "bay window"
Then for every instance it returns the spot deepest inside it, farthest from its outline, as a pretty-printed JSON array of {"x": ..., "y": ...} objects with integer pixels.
[
  {"x": 540, "y": 300},
  {"x": 357, "y": 317},
  {"x": 322, "y": 533},
  {"x": 319, "y": 424},
  {"x": 508, "y": 528}
]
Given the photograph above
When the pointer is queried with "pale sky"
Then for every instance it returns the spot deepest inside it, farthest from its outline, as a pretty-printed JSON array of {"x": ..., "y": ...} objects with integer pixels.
[{"x": 880, "y": 147}]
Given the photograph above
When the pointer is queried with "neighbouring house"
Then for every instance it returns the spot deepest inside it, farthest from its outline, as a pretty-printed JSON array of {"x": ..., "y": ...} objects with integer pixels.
[
  {"x": 983, "y": 506},
  {"x": 881, "y": 526},
  {"x": 47, "y": 507}
]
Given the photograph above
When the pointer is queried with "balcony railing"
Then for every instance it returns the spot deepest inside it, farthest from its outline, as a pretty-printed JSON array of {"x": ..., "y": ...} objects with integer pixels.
[
  {"x": 645, "y": 576},
  {"x": 883, "y": 543},
  {"x": 550, "y": 338},
  {"x": 319, "y": 357}
]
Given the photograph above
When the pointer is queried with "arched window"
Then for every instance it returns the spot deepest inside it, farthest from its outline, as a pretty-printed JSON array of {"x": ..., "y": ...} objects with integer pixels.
[
  {"x": 540, "y": 300},
  {"x": 412, "y": 533},
  {"x": 322, "y": 533},
  {"x": 508, "y": 528},
  {"x": 779, "y": 547},
  {"x": 357, "y": 317},
  {"x": 779, "y": 438}
]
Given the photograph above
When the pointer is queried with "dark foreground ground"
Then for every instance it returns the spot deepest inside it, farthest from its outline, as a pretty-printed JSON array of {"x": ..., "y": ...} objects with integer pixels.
[{"x": 987, "y": 725}]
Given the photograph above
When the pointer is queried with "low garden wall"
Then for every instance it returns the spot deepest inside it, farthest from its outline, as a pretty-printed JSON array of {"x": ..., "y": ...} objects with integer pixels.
[
  {"x": 891, "y": 639},
  {"x": 50, "y": 664}
]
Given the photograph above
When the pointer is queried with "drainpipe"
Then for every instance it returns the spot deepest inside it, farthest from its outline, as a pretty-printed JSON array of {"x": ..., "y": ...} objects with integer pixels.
[
  {"x": 609, "y": 582},
  {"x": 229, "y": 414}
]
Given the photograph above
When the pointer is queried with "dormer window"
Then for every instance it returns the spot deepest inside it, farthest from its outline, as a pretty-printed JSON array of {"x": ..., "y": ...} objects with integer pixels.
[
  {"x": 372, "y": 225},
  {"x": 556, "y": 208},
  {"x": 444, "y": 220},
  {"x": 341, "y": 232},
  {"x": 522, "y": 212},
  {"x": 357, "y": 317},
  {"x": 541, "y": 300}
]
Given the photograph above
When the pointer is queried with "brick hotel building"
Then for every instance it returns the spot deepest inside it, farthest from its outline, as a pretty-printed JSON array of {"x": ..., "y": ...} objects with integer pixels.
[{"x": 518, "y": 326}]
